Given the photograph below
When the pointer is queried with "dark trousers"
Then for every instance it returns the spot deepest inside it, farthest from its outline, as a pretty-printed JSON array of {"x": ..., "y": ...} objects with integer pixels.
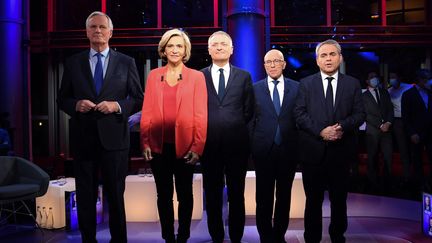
[
  {"x": 164, "y": 167},
  {"x": 113, "y": 167},
  {"x": 401, "y": 140},
  {"x": 417, "y": 160},
  {"x": 376, "y": 142},
  {"x": 331, "y": 174},
  {"x": 234, "y": 168},
  {"x": 276, "y": 171}
]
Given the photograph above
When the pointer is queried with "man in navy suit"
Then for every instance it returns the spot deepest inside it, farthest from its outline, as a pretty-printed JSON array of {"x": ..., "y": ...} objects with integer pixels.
[
  {"x": 274, "y": 148},
  {"x": 225, "y": 157},
  {"x": 327, "y": 118},
  {"x": 417, "y": 117},
  {"x": 100, "y": 89}
]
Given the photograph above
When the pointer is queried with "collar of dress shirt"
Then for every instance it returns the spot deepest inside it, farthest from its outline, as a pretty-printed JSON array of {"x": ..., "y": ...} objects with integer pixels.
[
  {"x": 280, "y": 79},
  {"x": 104, "y": 52},
  {"x": 215, "y": 68},
  {"x": 335, "y": 76}
]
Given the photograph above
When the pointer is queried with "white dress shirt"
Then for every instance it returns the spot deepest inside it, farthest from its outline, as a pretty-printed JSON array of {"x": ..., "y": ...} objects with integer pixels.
[
  {"x": 280, "y": 87},
  {"x": 333, "y": 83},
  {"x": 215, "y": 73}
]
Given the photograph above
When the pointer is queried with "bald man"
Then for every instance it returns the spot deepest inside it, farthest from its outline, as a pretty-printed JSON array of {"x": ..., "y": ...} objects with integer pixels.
[{"x": 274, "y": 140}]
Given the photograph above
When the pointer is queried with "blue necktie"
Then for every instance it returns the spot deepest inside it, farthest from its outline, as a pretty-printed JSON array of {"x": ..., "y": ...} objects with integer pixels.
[
  {"x": 221, "y": 88},
  {"x": 98, "y": 74},
  {"x": 329, "y": 100},
  {"x": 276, "y": 104}
]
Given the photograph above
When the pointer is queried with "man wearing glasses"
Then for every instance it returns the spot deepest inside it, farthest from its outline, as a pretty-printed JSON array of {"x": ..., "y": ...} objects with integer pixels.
[{"x": 274, "y": 140}]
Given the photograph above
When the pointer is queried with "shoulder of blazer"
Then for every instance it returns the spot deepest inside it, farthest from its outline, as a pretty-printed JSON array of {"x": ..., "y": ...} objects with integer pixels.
[
  {"x": 78, "y": 56},
  {"x": 291, "y": 82},
  {"x": 238, "y": 70}
]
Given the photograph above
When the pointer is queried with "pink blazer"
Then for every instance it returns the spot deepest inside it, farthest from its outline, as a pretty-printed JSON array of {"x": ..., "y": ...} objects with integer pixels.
[{"x": 191, "y": 120}]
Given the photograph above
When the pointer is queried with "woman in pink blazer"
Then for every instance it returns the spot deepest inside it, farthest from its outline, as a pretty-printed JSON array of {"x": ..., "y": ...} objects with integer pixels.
[{"x": 173, "y": 130}]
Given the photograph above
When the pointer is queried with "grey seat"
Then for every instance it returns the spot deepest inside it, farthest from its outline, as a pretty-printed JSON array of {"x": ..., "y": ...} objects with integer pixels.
[{"x": 20, "y": 180}]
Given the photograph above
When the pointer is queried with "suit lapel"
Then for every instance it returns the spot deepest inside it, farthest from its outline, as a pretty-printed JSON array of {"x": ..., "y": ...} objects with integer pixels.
[
  {"x": 339, "y": 90},
  {"x": 209, "y": 81},
  {"x": 232, "y": 76},
  {"x": 319, "y": 90},
  {"x": 182, "y": 83},
  {"x": 286, "y": 97},
  {"x": 112, "y": 63},
  {"x": 267, "y": 100},
  {"x": 85, "y": 67}
]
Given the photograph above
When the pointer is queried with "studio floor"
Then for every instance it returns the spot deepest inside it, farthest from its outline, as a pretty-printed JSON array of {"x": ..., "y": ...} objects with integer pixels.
[{"x": 371, "y": 219}]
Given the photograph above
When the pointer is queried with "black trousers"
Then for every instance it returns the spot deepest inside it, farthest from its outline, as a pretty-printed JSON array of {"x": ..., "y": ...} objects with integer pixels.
[
  {"x": 274, "y": 173},
  {"x": 219, "y": 169},
  {"x": 376, "y": 142},
  {"x": 331, "y": 173},
  {"x": 113, "y": 167},
  {"x": 164, "y": 167},
  {"x": 417, "y": 151},
  {"x": 399, "y": 136}
]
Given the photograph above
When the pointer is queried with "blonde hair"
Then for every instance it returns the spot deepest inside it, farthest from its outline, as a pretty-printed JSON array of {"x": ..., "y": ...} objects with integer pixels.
[{"x": 165, "y": 39}]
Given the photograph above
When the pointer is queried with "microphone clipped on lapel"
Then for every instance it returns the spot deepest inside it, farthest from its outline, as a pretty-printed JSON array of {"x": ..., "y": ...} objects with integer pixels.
[
  {"x": 162, "y": 78},
  {"x": 180, "y": 77}
]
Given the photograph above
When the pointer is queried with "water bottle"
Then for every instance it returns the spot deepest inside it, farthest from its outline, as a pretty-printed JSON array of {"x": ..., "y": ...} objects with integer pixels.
[
  {"x": 50, "y": 219},
  {"x": 38, "y": 216},
  {"x": 43, "y": 218}
]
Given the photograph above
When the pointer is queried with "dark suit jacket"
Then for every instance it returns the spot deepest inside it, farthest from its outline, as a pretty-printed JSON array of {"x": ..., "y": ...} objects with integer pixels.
[
  {"x": 416, "y": 117},
  {"x": 121, "y": 84},
  {"x": 311, "y": 117},
  {"x": 266, "y": 120},
  {"x": 376, "y": 114},
  {"x": 227, "y": 120}
]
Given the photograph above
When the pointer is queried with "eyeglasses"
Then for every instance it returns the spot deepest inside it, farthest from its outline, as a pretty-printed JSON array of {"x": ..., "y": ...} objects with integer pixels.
[{"x": 276, "y": 62}]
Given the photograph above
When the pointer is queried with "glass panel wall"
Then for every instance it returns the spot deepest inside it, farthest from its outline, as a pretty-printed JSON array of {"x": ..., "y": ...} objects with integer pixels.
[{"x": 300, "y": 12}]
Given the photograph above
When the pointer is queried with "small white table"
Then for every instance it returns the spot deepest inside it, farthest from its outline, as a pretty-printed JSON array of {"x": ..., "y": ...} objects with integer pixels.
[
  {"x": 55, "y": 199},
  {"x": 141, "y": 199},
  {"x": 298, "y": 198}
]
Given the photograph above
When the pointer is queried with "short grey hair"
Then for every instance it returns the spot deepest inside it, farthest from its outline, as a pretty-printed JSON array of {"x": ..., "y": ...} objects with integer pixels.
[
  {"x": 220, "y": 32},
  {"x": 328, "y": 42},
  {"x": 98, "y": 13}
]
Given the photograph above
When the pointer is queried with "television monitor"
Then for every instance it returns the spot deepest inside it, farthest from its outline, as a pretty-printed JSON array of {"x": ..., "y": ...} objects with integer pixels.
[{"x": 427, "y": 214}]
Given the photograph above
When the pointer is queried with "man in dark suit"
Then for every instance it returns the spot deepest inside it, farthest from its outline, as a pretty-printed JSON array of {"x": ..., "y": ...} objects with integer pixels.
[
  {"x": 327, "y": 118},
  {"x": 100, "y": 89},
  {"x": 274, "y": 148},
  {"x": 225, "y": 157},
  {"x": 379, "y": 118},
  {"x": 417, "y": 117}
]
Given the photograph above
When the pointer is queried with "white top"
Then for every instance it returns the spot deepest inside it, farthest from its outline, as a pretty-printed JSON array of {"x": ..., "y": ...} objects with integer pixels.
[
  {"x": 333, "y": 83},
  {"x": 396, "y": 97},
  {"x": 215, "y": 73},
  {"x": 280, "y": 87}
]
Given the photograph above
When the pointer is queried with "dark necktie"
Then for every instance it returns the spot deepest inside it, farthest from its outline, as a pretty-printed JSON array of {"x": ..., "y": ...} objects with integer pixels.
[
  {"x": 329, "y": 100},
  {"x": 377, "y": 96},
  {"x": 98, "y": 73},
  {"x": 221, "y": 88},
  {"x": 276, "y": 104}
]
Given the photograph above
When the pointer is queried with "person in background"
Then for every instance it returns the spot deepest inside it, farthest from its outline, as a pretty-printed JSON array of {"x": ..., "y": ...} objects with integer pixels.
[
  {"x": 396, "y": 89},
  {"x": 274, "y": 148},
  {"x": 417, "y": 117},
  {"x": 226, "y": 153},
  {"x": 174, "y": 130},
  {"x": 328, "y": 111},
  {"x": 100, "y": 89},
  {"x": 379, "y": 119}
]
